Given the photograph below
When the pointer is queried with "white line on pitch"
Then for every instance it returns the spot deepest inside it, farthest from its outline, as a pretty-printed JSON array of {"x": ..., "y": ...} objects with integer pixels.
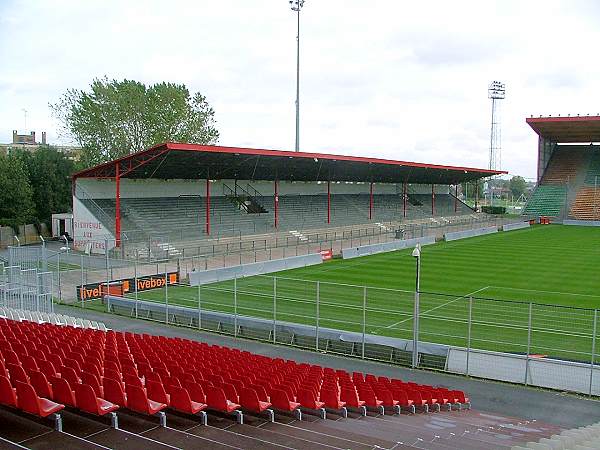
[
  {"x": 437, "y": 307},
  {"x": 544, "y": 292}
]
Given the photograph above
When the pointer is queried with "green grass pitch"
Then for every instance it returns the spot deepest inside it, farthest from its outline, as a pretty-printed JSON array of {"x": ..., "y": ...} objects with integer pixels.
[{"x": 555, "y": 266}]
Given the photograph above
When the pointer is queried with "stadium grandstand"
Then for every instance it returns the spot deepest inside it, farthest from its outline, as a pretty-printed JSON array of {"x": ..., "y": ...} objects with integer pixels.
[
  {"x": 568, "y": 174},
  {"x": 185, "y": 192}
]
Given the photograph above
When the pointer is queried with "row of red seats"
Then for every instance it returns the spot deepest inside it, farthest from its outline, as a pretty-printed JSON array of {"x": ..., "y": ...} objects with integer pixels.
[{"x": 150, "y": 373}]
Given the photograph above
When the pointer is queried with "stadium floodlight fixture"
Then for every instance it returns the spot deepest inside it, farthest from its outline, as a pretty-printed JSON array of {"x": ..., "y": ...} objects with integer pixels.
[
  {"x": 417, "y": 251},
  {"x": 497, "y": 90},
  {"x": 296, "y": 6}
]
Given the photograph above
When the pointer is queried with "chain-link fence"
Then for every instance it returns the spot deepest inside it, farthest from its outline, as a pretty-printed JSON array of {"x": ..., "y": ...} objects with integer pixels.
[{"x": 521, "y": 342}]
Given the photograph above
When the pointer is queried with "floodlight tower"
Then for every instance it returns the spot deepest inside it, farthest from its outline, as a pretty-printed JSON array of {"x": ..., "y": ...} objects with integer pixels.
[
  {"x": 496, "y": 91},
  {"x": 296, "y": 6}
]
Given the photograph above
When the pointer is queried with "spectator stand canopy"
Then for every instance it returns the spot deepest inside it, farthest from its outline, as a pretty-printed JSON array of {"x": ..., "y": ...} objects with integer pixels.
[
  {"x": 552, "y": 131},
  {"x": 193, "y": 161}
]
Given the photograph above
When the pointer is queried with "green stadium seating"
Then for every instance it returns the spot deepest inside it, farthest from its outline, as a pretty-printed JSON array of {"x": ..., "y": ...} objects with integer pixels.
[{"x": 547, "y": 200}]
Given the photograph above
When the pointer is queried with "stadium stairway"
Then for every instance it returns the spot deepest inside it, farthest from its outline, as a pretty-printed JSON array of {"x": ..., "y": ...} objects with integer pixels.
[{"x": 136, "y": 358}]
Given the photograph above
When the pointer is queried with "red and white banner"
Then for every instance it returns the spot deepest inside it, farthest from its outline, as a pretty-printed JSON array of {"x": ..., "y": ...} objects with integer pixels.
[{"x": 326, "y": 254}]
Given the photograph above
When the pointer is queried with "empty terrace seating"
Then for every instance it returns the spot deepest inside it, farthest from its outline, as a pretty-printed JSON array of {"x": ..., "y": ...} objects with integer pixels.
[
  {"x": 97, "y": 372},
  {"x": 565, "y": 165},
  {"x": 546, "y": 200},
  {"x": 592, "y": 176},
  {"x": 57, "y": 319},
  {"x": 587, "y": 204}
]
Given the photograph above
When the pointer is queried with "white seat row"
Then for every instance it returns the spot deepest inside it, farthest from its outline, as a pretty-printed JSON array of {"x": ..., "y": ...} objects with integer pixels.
[
  {"x": 583, "y": 438},
  {"x": 56, "y": 319}
]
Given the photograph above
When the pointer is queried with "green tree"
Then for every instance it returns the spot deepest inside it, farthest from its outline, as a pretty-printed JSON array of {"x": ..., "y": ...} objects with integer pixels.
[
  {"x": 518, "y": 186},
  {"x": 16, "y": 196},
  {"x": 49, "y": 174},
  {"x": 116, "y": 118}
]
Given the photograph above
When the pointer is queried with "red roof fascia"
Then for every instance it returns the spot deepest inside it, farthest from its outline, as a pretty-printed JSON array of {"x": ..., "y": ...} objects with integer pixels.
[
  {"x": 101, "y": 169},
  {"x": 567, "y": 119},
  {"x": 326, "y": 156}
]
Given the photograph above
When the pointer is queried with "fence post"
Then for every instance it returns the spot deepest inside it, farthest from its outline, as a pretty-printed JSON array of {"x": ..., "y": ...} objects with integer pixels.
[
  {"x": 274, "y": 309},
  {"x": 528, "y": 344},
  {"x": 235, "y": 307},
  {"x": 593, "y": 360},
  {"x": 59, "y": 281},
  {"x": 199, "y": 305},
  {"x": 469, "y": 332},
  {"x": 364, "y": 321},
  {"x": 135, "y": 281},
  {"x": 82, "y": 280},
  {"x": 317, "y": 327},
  {"x": 166, "y": 296},
  {"x": 107, "y": 270}
]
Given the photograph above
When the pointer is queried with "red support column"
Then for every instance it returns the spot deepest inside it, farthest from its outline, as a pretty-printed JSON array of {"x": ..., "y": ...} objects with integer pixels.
[
  {"x": 432, "y": 200},
  {"x": 456, "y": 198},
  {"x": 117, "y": 206},
  {"x": 404, "y": 198},
  {"x": 276, "y": 204},
  {"x": 371, "y": 202},
  {"x": 207, "y": 205},
  {"x": 328, "y": 202}
]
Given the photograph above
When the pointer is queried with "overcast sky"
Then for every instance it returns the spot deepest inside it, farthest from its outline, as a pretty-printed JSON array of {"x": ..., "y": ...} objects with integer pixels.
[{"x": 391, "y": 79}]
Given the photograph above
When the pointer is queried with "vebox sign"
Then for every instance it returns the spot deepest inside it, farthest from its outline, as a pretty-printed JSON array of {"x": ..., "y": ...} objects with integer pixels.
[{"x": 120, "y": 287}]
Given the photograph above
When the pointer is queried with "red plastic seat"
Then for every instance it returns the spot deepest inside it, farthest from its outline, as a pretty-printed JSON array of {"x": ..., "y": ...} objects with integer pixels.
[
  {"x": 418, "y": 401},
  {"x": 307, "y": 399},
  {"x": 8, "y": 395},
  {"x": 17, "y": 373},
  {"x": 109, "y": 373},
  {"x": 29, "y": 364},
  {"x": 280, "y": 400},
  {"x": 261, "y": 392},
  {"x": 62, "y": 391},
  {"x": 132, "y": 380},
  {"x": 91, "y": 380},
  {"x": 216, "y": 399},
  {"x": 28, "y": 401},
  {"x": 230, "y": 392},
  {"x": 181, "y": 401},
  {"x": 41, "y": 385},
  {"x": 10, "y": 357},
  {"x": 156, "y": 391},
  {"x": 331, "y": 398},
  {"x": 350, "y": 396},
  {"x": 88, "y": 401},
  {"x": 68, "y": 373},
  {"x": 113, "y": 392},
  {"x": 250, "y": 401},
  {"x": 138, "y": 401},
  {"x": 47, "y": 368},
  {"x": 196, "y": 392}
]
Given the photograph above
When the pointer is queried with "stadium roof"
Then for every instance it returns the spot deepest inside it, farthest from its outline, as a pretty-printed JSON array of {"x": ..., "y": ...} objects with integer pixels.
[
  {"x": 577, "y": 129},
  {"x": 193, "y": 161}
]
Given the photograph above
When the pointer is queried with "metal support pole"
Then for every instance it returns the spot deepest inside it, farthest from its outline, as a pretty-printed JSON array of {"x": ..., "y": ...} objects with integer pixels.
[
  {"x": 371, "y": 201},
  {"x": 469, "y": 331},
  {"x": 318, "y": 313},
  {"x": 166, "y": 296},
  {"x": 364, "y": 321},
  {"x": 433, "y": 199},
  {"x": 298, "y": 84},
  {"x": 235, "y": 318},
  {"x": 135, "y": 282},
  {"x": 276, "y": 200},
  {"x": 274, "y": 309},
  {"x": 528, "y": 344},
  {"x": 415, "y": 355},
  {"x": 82, "y": 280},
  {"x": 59, "y": 279},
  {"x": 328, "y": 202},
  {"x": 593, "y": 360},
  {"x": 455, "y": 198},
  {"x": 107, "y": 269},
  {"x": 117, "y": 206},
  {"x": 207, "y": 203},
  {"x": 404, "y": 198},
  {"x": 199, "y": 306}
]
